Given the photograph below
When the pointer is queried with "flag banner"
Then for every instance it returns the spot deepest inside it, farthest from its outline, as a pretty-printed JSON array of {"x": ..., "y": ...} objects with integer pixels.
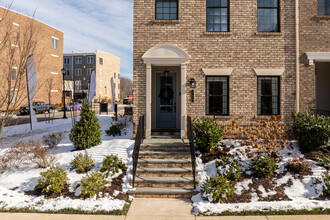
[
  {"x": 92, "y": 87},
  {"x": 31, "y": 78},
  {"x": 113, "y": 94}
]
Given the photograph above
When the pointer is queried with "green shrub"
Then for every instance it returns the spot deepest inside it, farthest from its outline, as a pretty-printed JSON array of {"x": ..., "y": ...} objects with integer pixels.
[
  {"x": 326, "y": 187},
  {"x": 82, "y": 163},
  {"x": 229, "y": 167},
  {"x": 91, "y": 184},
  {"x": 324, "y": 160},
  {"x": 87, "y": 132},
  {"x": 52, "y": 181},
  {"x": 217, "y": 189},
  {"x": 263, "y": 166},
  {"x": 115, "y": 130},
  {"x": 312, "y": 131},
  {"x": 112, "y": 164},
  {"x": 207, "y": 134}
]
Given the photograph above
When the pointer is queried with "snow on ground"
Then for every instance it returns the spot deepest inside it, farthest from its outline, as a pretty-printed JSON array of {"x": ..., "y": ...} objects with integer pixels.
[
  {"x": 301, "y": 192},
  {"x": 14, "y": 182}
]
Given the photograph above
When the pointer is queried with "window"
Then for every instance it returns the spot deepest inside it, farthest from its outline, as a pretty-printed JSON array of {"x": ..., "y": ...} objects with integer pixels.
[
  {"x": 217, "y": 16},
  {"x": 54, "y": 43},
  {"x": 14, "y": 74},
  {"x": 268, "y": 16},
  {"x": 68, "y": 72},
  {"x": 101, "y": 60},
  {"x": 78, "y": 72},
  {"x": 78, "y": 85},
  {"x": 323, "y": 7},
  {"x": 78, "y": 60},
  {"x": 268, "y": 95},
  {"x": 90, "y": 60},
  {"x": 114, "y": 75},
  {"x": 217, "y": 95},
  {"x": 13, "y": 96},
  {"x": 118, "y": 75},
  {"x": 89, "y": 71},
  {"x": 166, "y": 9},
  {"x": 66, "y": 60}
]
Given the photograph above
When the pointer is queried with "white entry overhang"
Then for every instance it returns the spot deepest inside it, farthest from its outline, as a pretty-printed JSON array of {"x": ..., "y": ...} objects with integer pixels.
[{"x": 317, "y": 57}]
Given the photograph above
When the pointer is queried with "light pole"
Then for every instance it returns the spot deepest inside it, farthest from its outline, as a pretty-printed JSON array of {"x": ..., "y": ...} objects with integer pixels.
[{"x": 63, "y": 73}]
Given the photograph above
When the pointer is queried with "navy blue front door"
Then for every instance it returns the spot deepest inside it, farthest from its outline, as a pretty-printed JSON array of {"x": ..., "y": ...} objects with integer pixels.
[{"x": 166, "y": 101}]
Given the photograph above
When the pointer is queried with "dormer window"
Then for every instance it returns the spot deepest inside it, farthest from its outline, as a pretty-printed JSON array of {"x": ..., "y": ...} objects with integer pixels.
[{"x": 167, "y": 9}]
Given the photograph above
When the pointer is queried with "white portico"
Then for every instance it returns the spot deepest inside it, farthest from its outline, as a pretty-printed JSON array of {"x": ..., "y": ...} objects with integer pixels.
[{"x": 166, "y": 89}]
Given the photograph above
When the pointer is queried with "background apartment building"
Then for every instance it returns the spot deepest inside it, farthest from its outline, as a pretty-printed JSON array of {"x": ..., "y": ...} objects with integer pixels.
[
  {"x": 79, "y": 67},
  {"x": 21, "y": 36},
  {"x": 228, "y": 59}
]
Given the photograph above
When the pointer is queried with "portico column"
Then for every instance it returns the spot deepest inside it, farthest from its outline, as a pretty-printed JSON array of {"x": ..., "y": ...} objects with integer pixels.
[
  {"x": 148, "y": 101},
  {"x": 183, "y": 101}
]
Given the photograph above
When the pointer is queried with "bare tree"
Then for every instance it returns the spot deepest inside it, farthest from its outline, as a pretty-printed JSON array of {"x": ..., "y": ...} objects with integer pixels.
[
  {"x": 126, "y": 86},
  {"x": 18, "y": 42}
]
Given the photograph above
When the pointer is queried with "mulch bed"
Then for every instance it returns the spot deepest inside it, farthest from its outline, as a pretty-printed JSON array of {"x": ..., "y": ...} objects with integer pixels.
[
  {"x": 215, "y": 153},
  {"x": 116, "y": 184}
]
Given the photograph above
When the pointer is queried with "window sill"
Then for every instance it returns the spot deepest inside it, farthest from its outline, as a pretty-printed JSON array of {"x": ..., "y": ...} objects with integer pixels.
[
  {"x": 323, "y": 17},
  {"x": 266, "y": 34},
  {"x": 154, "y": 21},
  {"x": 220, "y": 33}
]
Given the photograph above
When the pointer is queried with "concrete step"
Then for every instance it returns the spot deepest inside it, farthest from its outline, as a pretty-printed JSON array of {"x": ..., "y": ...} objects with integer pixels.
[
  {"x": 180, "y": 163},
  {"x": 164, "y": 154},
  {"x": 173, "y": 192},
  {"x": 163, "y": 172},
  {"x": 165, "y": 147},
  {"x": 164, "y": 182}
]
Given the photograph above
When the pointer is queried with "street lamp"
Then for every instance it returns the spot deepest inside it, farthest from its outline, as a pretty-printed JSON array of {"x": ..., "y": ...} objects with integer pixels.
[{"x": 63, "y": 73}]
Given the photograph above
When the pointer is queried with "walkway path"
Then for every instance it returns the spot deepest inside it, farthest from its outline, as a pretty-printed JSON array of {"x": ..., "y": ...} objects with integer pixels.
[{"x": 155, "y": 209}]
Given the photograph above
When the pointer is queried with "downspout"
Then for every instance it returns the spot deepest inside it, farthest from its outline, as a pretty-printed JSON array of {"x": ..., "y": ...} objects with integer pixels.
[{"x": 297, "y": 58}]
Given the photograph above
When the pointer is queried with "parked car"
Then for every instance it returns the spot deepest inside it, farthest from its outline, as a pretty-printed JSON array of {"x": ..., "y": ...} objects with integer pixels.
[
  {"x": 126, "y": 101},
  {"x": 38, "y": 107},
  {"x": 72, "y": 106}
]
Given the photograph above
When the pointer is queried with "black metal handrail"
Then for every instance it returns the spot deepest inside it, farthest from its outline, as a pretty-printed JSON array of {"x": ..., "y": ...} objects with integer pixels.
[
  {"x": 192, "y": 148},
  {"x": 325, "y": 113},
  {"x": 138, "y": 140}
]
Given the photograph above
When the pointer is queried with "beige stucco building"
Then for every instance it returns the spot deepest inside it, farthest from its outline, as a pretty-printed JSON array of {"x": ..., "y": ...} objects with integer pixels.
[
  {"x": 21, "y": 36},
  {"x": 79, "y": 67},
  {"x": 229, "y": 60}
]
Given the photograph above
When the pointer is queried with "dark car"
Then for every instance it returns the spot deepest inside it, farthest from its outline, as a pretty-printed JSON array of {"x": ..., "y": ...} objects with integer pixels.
[{"x": 126, "y": 101}]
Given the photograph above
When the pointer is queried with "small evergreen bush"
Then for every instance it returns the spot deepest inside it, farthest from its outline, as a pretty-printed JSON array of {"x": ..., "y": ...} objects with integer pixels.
[
  {"x": 207, "y": 134},
  {"x": 216, "y": 189},
  {"x": 326, "y": 187},
  {"x": 112, "y": 164},
  {"x": 229, "y": 167},
  {"x": 92, "y": 183},
  {"x": 312, "y": 131},
  {"x": 263, "y": 166},
  {"x": 115, "y": 130},
  {"x": 82, "y": 163},
  {"x": 87, "y": 132},
  {"x": 53, "y": 139},
  {"x": 54, "y": 180},
  {"x": 324, "y": 160}
]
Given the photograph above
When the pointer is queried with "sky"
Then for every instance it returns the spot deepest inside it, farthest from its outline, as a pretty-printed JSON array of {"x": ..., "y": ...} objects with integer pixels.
[{"x": 87, "y": 25}]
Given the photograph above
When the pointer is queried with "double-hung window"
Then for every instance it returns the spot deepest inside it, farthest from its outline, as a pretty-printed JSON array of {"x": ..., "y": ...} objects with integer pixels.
[
  {"x": 323, "y": 7},
  {"x": 167, "y": 9},
  {"x": 66, "y": 60},
  {"x": 78, "y": 72},
  {"x": 217, "y": 15},
  {"x": 54, "y": 43},
  {"x": 268, "y": 95},
  {"x": 14, "y": 74},
  {"x": 217, "y": 95},
  {"x": 77, "y": 85},
  {"x": 90, "y": 60},
  {"x": 89, "y": 71},
  {"x": 268, "y": 16},
  {"x": 78, "y": 60}
]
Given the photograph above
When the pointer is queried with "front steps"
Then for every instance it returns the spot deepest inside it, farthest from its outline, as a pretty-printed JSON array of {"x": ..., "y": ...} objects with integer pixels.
[{"x": 164, "y": 169}]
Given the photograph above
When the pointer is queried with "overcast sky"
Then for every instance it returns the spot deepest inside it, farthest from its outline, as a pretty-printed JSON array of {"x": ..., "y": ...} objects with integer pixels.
[{"x": 87, "y": 25}]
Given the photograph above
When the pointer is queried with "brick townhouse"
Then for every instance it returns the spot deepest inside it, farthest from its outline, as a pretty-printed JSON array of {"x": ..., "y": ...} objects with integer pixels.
[
  {"x": 229, "y": 59},
  {"x": 48, "y": 53}
]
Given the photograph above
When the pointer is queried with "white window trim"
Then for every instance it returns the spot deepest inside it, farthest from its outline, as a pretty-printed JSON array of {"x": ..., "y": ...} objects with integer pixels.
[
  {"x": 217, "y": 72},
  {"x": 53, "y": 90},
  {"x": 54, "y": 73},
  {"x": 54, "y": 55},
  {"x": 317, "y": 57},
  {"x": 14, "y": 45},
  {"x": 55, "y": 38},
  {"x": 269, "y": 72},
  {"x": 15, "y": 24}
]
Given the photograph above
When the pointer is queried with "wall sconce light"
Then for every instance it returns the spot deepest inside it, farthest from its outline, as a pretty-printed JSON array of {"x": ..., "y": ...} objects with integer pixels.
[{"x": 192, "y": 83}]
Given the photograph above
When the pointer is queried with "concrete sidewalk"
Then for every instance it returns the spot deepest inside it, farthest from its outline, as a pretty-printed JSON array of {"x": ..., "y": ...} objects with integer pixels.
[{"x": 155, "y": 209}]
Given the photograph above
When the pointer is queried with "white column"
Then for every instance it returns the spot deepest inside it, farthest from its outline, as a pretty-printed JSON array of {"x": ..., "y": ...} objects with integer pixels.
[
  {"x": 148, "y": 101},
  {"x": 183, "y": 101}
]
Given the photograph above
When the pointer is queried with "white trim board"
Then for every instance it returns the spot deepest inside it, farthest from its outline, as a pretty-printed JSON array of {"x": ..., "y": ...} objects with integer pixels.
[
  {"x": 217, "y": 72},
  {"x": 269, "y": 72},
  {"x": 318, "y": 57}
]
